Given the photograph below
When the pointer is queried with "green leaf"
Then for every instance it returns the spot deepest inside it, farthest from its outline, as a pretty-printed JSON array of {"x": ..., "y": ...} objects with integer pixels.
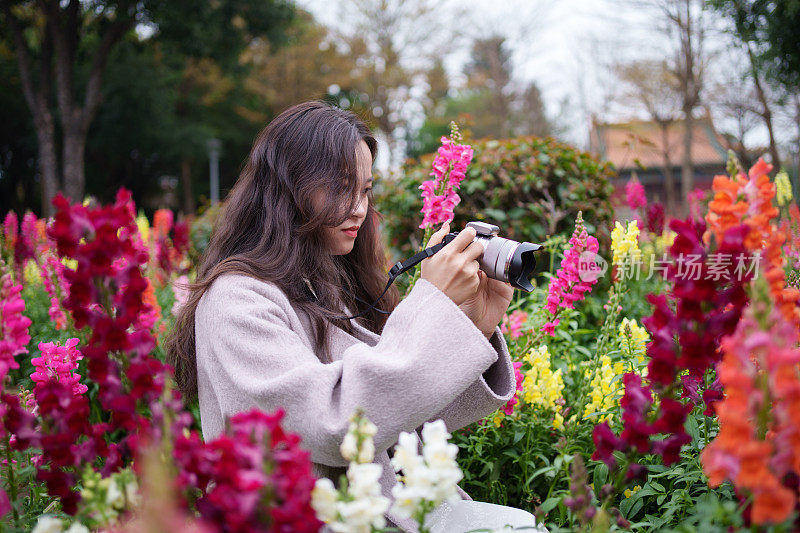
[
  {"x": 692, "y": 427},
  {"x": 495, "y": 214},
  {"x": 549, "y": 504},
  {"x": 600, "y": 476}
]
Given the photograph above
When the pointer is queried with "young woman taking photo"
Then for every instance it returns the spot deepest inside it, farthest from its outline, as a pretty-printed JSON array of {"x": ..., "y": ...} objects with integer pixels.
[{"x": 295, "y": 248}]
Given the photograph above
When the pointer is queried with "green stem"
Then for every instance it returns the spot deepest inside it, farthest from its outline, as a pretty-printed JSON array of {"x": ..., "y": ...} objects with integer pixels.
[
  {"x": 418, "y": 268},
  {"x": 12, "y": 482}
]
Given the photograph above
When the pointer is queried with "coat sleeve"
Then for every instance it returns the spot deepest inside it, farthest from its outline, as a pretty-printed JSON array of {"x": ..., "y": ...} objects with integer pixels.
[
  {"x": 486, "y": 394},
  {"x": 249, "y": 350}
]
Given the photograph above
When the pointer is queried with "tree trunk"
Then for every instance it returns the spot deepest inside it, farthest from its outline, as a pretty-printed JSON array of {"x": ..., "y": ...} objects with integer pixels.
[
  {"x": 687, "y": 168},
  {"x": 37, "y": 96},
  {"x": 669, "y": 176},
  {"x": 766, "y": 112},
  {"x": 73, "y": 159},
  {"x": 186, "y": 185},
  {"x": 47, "y": 163}
]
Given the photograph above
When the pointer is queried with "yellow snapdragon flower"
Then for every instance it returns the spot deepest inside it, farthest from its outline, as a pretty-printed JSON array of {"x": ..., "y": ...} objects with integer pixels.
[
  {"x": 498, "y": 417},
  {"x": 784, "y": 188},
  {"x": 144, "y": 227},
  {"x": 625, "y": 242},
  {"x": 604, "y": 390},
  {"x": 31, "y": 274},
  {"x": 665, "y": 240},
  {"x": 630, "y": 492},
  {"x": 541, "y": 387},
  {"x": 634, "y": 339},
  {"x": 558, "y": 422}
]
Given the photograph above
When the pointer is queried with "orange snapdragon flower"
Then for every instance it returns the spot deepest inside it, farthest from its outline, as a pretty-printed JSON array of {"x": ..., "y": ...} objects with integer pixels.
[
  {"x": 749, "y": 200},
  {"x": 727, "y": 207},
  {"x": 758, "y": 442}
]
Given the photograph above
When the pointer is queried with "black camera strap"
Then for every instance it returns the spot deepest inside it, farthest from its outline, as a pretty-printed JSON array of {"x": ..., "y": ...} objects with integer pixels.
[{"x": 399, "y": 268}]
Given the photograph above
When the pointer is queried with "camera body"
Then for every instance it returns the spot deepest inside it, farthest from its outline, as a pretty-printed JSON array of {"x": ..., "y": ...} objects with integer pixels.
[{"x": 503, "y": 259}]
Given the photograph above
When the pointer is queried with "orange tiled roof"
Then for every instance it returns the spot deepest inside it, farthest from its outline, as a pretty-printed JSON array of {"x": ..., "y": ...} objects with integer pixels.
[{"x": 623, "y": 143}]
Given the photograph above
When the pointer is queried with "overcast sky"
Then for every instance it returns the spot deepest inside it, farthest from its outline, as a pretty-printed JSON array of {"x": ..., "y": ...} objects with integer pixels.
[{"x": 565, "y": 46}]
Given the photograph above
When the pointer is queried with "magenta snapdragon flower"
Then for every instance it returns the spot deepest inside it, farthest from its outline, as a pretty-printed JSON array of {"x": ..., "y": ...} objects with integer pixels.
[
  {"x": 53, "y": 269},
  {"x": 508, "y": 408},
  {"x": 634, "y": 194},
  {"x": 14, "y": 336},
  {"x": 570, "y": 284},
  {"x": 11, "y": 229},
  {"x": 59, "y": 363},
  {"x": 439, "y": 194}
]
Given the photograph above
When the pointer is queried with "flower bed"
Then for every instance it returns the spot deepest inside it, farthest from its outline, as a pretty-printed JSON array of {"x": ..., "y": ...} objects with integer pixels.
[{"x": 659, "y": 392}]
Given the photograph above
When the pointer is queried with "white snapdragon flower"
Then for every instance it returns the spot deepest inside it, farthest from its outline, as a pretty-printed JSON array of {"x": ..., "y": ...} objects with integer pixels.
[
  {"x": 407, "y": 499},
  {"x": 48, "y": 524},
  {"x": 428, "y": 479},
  {"x": 323, "y": 499},
  {"x": 361, "y": 515},
  {"x": 364, "y": 479},
  {"x": 114, "y": 497},
  {"x": 360, "y": 508},
  {"x": 132, "y": 493},
  {"x": 77, "y": 527},
  {"x": 358, "y": 445},
  {"x": 367, "y": 451},
  {"x": 405, "y": 456},
  {"x": 349, "y": 446}
]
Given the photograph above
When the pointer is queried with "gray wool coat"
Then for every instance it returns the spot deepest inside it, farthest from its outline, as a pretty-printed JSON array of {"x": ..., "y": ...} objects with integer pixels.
[{"x": 255, "y": 350}]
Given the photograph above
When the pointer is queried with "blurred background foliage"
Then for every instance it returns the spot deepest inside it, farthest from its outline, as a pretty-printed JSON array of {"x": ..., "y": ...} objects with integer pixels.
[
  {"x": 173, "y": 75},
  {"x": 532, "y": 187}
]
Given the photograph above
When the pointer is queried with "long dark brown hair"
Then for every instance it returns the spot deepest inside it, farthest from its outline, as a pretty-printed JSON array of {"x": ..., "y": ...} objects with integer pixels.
[{"x": 268, "y": 229}]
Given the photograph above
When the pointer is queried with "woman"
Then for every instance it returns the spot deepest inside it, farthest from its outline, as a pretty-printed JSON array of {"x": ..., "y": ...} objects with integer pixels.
[{"x": 295, "y": 248}]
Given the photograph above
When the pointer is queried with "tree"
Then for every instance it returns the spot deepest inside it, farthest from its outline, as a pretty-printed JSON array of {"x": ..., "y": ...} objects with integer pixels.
[
  {"x": 306, "y": 67},
  {"x": 63, "y": 48},
  {"x": 489, "y": 75},
  {"x": 393, "y": 44},
  {"x": 732, "y": 96},
  {"x": 652, "y": 85},
  {"x": 767, "y": 31},
  {"x": 770, "y": 28},
  {"x": 491, "y": 104},
  {"x": 688, "y": 27}
]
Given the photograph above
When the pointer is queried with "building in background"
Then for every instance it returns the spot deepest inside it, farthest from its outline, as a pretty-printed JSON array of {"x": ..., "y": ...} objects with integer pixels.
[{"x": 647, "y": 149}]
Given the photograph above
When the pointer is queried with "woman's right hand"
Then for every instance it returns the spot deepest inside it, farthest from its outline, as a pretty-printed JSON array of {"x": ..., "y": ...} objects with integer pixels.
[{"x": 454, "y": 268}]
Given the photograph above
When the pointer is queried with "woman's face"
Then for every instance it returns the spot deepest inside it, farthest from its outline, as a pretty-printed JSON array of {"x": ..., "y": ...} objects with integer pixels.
[{"x": 341, "y": 238}]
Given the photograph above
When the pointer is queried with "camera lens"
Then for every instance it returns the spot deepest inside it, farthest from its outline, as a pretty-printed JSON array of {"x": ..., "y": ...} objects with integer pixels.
[
  {"x": 522, "y": 264},
  {"x": 508, "y": 260}
]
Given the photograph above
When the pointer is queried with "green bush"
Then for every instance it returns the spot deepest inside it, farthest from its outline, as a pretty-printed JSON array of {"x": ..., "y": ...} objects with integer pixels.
[{"x": 529, "y": 186}]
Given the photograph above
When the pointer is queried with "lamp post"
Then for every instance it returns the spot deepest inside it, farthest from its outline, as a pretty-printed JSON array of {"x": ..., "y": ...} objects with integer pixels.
[{"x": 214, "y": 148}]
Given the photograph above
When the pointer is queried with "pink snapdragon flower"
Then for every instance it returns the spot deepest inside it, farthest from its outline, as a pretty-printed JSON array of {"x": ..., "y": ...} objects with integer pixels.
[
  {"x": 570, "y": 284},
  {"x": 508, "y": 408},
  {"x": 449, "y": 169},
  {"x": 53, "y": 269},
  {"x": 33, "y": 241},
  {"x": 14, "y": 325},
  {"x": 634, "y": 194},
  {"x": 59, "y": 363},
  {"x": 11, "y": 229},
  {"x": 512, "y": 324}
]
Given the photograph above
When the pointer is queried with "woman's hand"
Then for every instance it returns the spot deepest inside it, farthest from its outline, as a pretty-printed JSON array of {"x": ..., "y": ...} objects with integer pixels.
[
  {"x": 489, "y": 304},
  {"x": 456, "y": 272},
  {"x": 454, "y": 268}
]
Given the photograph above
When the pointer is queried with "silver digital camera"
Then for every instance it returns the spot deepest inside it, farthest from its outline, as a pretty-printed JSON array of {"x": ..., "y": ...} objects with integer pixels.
[{"x": 503, "y": 259}]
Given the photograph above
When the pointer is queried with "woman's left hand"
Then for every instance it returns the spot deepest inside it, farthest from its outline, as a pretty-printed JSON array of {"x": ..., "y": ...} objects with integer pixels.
[{"x": 489, "y": 304}]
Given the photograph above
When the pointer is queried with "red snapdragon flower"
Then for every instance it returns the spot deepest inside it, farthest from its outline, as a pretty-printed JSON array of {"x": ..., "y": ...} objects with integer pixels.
[{"x": 255, "y": 477}]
